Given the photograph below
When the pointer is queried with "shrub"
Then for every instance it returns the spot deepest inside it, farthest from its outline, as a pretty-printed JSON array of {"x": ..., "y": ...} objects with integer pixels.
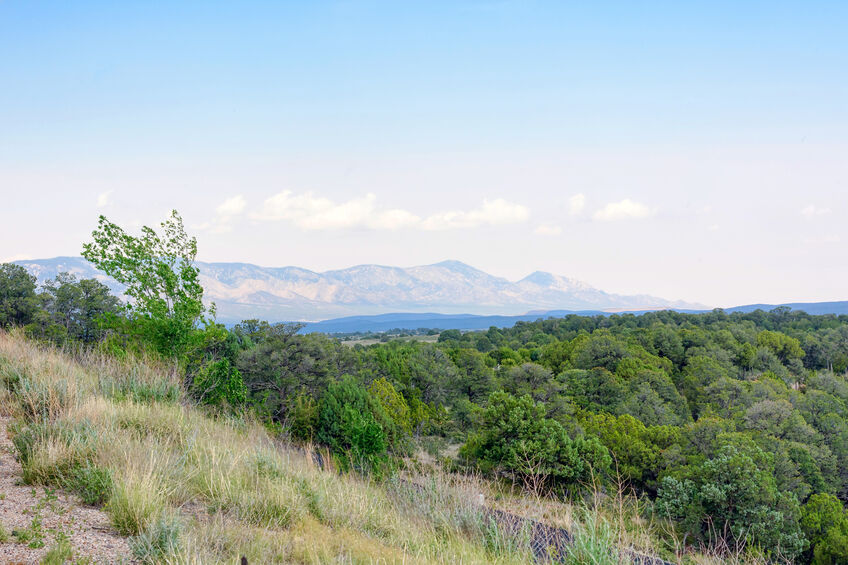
[
  {"x": 91, "y": 483},
  {"x": 734, "y": 497},
  {"x": 219, "y": 383},
  {"x": 393, "y": 403},
  {"x": 352, "y": 424},
  {"x": 516, "y": 437},
  {"x": 303, "y": 417}
]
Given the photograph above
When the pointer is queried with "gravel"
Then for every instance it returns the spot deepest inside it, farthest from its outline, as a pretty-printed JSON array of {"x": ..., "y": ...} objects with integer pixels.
[{"x": 88, "y": 529}]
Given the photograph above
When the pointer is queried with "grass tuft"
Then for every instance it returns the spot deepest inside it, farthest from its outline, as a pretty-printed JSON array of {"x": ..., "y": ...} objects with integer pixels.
[{"x": 160, "y": 542}]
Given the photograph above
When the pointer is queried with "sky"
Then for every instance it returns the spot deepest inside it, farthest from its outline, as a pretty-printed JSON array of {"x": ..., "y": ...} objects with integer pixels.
[{"x": 689, "y": 150}]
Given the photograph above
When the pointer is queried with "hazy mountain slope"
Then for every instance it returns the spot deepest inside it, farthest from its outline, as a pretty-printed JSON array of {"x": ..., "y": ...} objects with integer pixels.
[{"x": 242, "y": 290}]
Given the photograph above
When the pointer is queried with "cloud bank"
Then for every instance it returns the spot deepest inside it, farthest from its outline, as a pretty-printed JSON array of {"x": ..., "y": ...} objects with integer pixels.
[
  {"x": 622, "y": 210},
  {"x": 310, "y": 212}
]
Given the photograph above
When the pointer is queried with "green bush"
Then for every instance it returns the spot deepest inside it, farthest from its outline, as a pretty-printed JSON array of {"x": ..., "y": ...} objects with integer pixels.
[
  {"x": 825, "y": 523},
  {"x": 219, "y": 383},
  {"x": 516, "y": 437},
  {"x": 733, "y": 496},
  {"x": 303, "y": 417},
  {"x": 91, "y": 483},
  {"x": 352, "y": 423}
]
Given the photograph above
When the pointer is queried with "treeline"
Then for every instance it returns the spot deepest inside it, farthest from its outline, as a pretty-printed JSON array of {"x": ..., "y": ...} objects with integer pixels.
[{"x": 732, "y": 427}]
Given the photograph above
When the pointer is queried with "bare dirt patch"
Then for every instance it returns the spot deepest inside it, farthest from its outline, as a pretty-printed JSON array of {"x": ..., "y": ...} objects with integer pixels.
[{"x": 35, "y": 519}]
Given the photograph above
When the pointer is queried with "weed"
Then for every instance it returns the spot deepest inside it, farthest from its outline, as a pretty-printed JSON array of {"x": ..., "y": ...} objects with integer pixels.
[
  {"x": 32, "y": 535},
  {"x": 60, "y": 553}
]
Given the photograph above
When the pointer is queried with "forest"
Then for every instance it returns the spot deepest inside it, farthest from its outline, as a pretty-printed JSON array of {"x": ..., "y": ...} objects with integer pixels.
[{"x": 732, "y": 428}]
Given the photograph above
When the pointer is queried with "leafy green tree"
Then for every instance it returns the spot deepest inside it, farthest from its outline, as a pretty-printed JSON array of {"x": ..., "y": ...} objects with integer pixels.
[
  {"x": 599, "y": 350},
  {"x": 637, "y": 450},
  {"x": 220, "y": 384},
  {"x": 474, "y": 379},
  {"x": 516, "y": 437},
  {"x": 18, "y": 302},
  {"x": 699, "y": 373},
  {"x": 780, "y": 344},
  {"x": 528, "y": 378},
  {"x": 79, "y": 309},
  {"x": 161, "y": 279},
  {"x": 597, "y": 390},
  {"x": 731, "y": 497},
  {"x": 825, "y": 523},
  {"x": 284, "y": 363}
]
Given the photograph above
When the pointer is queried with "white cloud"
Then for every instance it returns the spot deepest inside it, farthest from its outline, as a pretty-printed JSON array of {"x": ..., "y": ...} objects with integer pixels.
[
  {"x": 545, "y": 229},
  {"x": 812, "y": 211},
  {"x": 232, "y": 206},
  {"x": 492, "y": 213},
  {"x": 225, "y": 214},
  {"x": 576, "y": 204},
  {"x": 103, "y": 199},
  {"x": 310, "y": 212},
  {"x": 622, "y": 210}
]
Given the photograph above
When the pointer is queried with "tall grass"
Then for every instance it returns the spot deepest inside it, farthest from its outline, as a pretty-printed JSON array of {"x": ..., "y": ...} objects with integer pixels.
[{"x": 189, "y": 487}]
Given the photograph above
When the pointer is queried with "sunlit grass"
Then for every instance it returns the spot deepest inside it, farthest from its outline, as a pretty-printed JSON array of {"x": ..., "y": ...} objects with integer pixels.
[{"x": 191, "y": 487}]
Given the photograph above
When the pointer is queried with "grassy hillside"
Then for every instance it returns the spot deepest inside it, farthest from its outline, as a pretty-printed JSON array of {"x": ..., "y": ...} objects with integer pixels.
[{"x": 191, "y": 487}]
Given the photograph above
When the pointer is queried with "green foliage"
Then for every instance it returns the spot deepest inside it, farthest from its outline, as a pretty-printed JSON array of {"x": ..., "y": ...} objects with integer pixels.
[
  {"x": 516, "y": 437},
  {"x": 91, "y": 483},
  {"x": 638, "y": 451},
  {"x": 60, "y": 553},
  {"x": 352, "y": 423},
  {"x": 220, "y": 384},
  {"x": 780, "y": 344},
  {"x": 18, "y": 302},
  {"x": 161, "y": 280},
  {"x": 211, "y": 362},
  {"x": 393, "y": 403},
  {"x": 732, "y": 497},
  {"x": 303, "y": 417},
  {"x": 825, "y": 523},
  {"x": 75, "y": 311},
  {"x": 283, "y": 364},
  {"x": 33, "y": 536}
]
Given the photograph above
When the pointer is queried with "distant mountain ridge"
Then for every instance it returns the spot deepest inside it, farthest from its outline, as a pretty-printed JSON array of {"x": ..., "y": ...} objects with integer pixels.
[
  {"x": 415, "y": 321},
  {"x": 243, "y": 290}
]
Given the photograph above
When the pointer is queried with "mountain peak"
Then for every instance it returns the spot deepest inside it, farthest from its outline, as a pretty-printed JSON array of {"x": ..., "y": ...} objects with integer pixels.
[
  {"x": 541, "y": 278},
  {"x": 454, "y": 265},
  {"x": 242, "y": 290}
]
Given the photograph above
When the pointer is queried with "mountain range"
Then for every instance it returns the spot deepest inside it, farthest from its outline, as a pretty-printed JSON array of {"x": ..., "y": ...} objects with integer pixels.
[{"x": 243, "y": 290}]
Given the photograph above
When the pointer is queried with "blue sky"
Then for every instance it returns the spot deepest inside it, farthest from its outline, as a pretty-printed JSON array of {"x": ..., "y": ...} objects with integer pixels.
[{"x": 690, "y": 150}]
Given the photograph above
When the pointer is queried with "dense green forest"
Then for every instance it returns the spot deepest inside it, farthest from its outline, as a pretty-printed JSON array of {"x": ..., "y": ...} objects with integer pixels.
[{"x": 732, "y": 427}]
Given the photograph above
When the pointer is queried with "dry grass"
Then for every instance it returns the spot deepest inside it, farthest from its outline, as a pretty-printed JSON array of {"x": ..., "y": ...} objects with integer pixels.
[{"x": 194, "y": 488}]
